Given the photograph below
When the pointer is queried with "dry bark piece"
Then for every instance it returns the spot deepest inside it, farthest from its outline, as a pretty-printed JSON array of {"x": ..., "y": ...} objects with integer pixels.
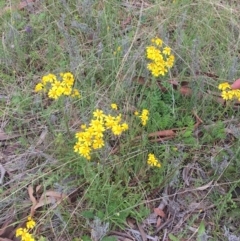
[
  {"x": 204, "y": 187},
  {"x": 2, "y": 173},
  {"x": 184, "y": 90},
  {"x": 143, "y": 234},
  {"x": 159, "y": 222},
  {"x": 187, "y": 172},
  {"x": 23, "y": 4},
  {"x": 159, "y": 212},
  {"x": 33, "y": 199}
]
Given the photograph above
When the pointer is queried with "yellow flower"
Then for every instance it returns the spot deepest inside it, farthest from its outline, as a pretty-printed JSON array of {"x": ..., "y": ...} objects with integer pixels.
[
  {"x": 83, "y": 126},
  {"x": 117, "y": 130},
  {"x": 136, "y": 113},
  {"x": 67, "y": 78},
  {"x": 85, "y": 151},
  {"x": 56, "y": 84},
  {"x": 92, "y": 137},
  {"x": 153, "y": 53},
  {"x": 59, "y": 90},
  {"x": 109, "y": 121},
  {"x": 19, "y": 232},
  {"x": 67, "y": 90},
  {"x": 118, "y": 50},
  {"x": 24, "y": 234},
  {"x": 68, "y": 82},
  {"x": 98, "y": 114},
  {"x": 124, "y": 126},
  {"x": 152, "y": 161},
  {"x": 86, "y": 138},
  {"x": 160, "y": 58},
  {"x": 76, "y": 93},
  {"x": 77, "y": 146},
  {"x": 31, "y": 223},
  {"x": 224, "y": 86},
  {"x": 145, "y": 112},
  {"x": 98, "y": 143},
  {"x": 38, "y": 87},
  {"x": 98, "y": 130},
  {"x": 114, "y": 106},
  {"x": 157, "y": 68},
  {"x": 157, "y": 41},
  {"x": 225, "y": 95},
  {"x": 167, "y": 51},
  {"x": 49, "y": 78},
  {"x": 144, "y": 116},
  {"x": 170, "y": 61},
  {"x": 118, "y": 118},
  {"x": 53, "y": 93},
  {"x": 27, "y": 237}
]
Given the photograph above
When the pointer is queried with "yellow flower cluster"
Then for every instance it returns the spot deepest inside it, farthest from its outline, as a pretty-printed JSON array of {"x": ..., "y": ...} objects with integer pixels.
[
  {"x": 228, "y": 93},
  {"x": 91, "y": 137},
  {"x": 24, "y": 232},
  {"x": 161, "y": 59},
  {"x": 152, "y": 161},
  {"x": 117, "y": 51},
  {"x": 56, "y": 88},
  {"x": 144, "y": 116}
]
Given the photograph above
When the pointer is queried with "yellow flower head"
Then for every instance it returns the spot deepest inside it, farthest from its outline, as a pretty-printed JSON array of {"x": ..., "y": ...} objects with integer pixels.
[
  {"x": 57, "y": 88},
  {"x": 124, "y": 126},
  {"x": 114, "y": 106},
  {"x": 224, "y": 86},
  {"x": 92, "y": 138},
  {"x": 228, "y": 93},
  {"x": 152, "y": 161},
  {"x": 98, "y": 114},
  {"x": 30, "y": 223},
  {"x": 117, "y": 130},
  {"x": 157, "y": 41},
  {"x": 76, "y": 93},
  {"x": 167, "y": 51},
  {"x": 24, "y": 232},
  {"x": 38, "y": 87},
  {"x": 83, "y": 126},
  {"x": 136, "y": 113},
  {"x": 144, "y": 116},
  {"x": 19, "y": 232},
  {"x": 98, "y": 143},
  {"x": 50, "y": 78},
  {"x": 160, "y": 58},
  {"x": 53, "y": 93}
]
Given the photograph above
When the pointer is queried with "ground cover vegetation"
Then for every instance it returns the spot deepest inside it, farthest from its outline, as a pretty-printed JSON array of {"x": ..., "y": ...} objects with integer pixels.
[{"x": 118, "y": 120}]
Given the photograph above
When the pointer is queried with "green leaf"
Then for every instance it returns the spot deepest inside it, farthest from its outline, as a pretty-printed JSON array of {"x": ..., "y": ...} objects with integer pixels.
[
  {"x": 173, "y": 238},
  {"x": 87, "y": 214},
  {"x": 109, "y": 239},
  {"x": 187, "y": 133},
  {"x": 201, "y": 231},
  {"x": 86, "y": 238}
]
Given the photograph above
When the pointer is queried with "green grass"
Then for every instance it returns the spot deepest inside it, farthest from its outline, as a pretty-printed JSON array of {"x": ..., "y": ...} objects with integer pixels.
[{"x": 83, "y": 37}]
